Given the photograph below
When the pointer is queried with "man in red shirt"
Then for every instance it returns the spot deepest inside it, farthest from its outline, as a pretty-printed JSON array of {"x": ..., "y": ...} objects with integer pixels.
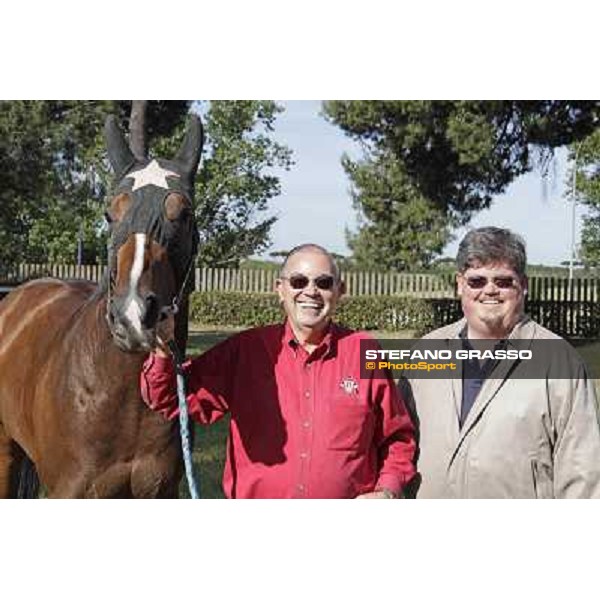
[{"x": 303, "y": 422}]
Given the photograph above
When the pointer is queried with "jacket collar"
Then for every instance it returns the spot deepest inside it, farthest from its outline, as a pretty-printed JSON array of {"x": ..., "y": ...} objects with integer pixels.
[{"x": 524, "y": 329}]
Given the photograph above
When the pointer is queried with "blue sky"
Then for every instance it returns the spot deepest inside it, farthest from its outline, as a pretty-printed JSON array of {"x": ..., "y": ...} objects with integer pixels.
[{"x": 315, "y": 203}]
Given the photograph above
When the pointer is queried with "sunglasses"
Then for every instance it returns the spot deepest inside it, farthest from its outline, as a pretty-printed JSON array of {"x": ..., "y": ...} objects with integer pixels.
[
  {"x": 300, "y": 282},
  {"x": 479, "y": 282}
]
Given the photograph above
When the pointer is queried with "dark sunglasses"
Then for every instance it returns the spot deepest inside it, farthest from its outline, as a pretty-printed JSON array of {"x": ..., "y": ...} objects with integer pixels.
[
  {"x": 479, "y": 282},
  {"x": 300, "y": 282}
]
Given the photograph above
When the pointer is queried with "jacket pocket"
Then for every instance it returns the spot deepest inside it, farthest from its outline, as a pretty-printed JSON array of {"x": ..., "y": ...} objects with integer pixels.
[{"x": 543, "y": 480}]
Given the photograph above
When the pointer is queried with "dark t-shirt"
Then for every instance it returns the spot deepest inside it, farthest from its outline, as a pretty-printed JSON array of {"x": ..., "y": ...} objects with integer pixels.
[{"x": 474, "y": 375}]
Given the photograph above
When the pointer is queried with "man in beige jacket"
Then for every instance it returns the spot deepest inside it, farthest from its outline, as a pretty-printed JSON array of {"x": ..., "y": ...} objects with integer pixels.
[{"x": 490, "y": 432}]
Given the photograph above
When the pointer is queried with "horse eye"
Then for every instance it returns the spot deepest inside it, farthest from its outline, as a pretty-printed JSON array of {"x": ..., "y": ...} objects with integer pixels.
[
  {"x": 108, "y": 218},
  {"x": 175, "y": 206},
  {"x": 118, "y": 207}
]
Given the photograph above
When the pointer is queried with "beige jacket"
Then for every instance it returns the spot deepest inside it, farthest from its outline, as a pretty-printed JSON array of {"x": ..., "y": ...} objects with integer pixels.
[{"x": 523, "y": 438}]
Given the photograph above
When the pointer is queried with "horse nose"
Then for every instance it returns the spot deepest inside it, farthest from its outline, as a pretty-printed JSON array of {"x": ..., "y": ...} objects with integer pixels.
[{"x": 151, "y": 311}]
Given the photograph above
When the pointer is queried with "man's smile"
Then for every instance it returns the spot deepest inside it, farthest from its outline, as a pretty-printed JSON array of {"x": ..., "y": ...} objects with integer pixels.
[{"x": 309, "y": 305}]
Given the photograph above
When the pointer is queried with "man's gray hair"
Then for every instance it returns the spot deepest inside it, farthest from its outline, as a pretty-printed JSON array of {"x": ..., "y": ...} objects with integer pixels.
[
  {"x": 314, "y": 248},
  {"x": 488, "y": 245}
]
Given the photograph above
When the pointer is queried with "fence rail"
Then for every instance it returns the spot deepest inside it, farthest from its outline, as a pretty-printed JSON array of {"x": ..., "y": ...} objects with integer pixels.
[
  {"x": 25, "y": 272},
  {"x": 568, "y": 318},
  {"x": 358, "y": 283},
  {"x": 570, "y": 308}
]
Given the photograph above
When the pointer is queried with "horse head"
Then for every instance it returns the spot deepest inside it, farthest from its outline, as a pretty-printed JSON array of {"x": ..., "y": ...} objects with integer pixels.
[{"x": 154, "y": 237}]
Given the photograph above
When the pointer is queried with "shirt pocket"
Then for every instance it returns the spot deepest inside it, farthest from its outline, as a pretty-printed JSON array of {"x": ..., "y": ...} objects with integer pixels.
[{"x": 349, "y": 426}]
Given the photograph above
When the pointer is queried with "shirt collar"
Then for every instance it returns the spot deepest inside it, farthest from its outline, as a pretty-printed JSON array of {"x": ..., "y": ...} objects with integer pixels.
[
  {"x": 514, "y": 333},
  {"x": 324, "y": 349}
]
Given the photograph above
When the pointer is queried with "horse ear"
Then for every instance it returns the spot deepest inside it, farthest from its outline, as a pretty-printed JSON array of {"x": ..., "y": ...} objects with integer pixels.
[
  {"x": 191, "y": 147},
  {"x": 119, "y": 154}
]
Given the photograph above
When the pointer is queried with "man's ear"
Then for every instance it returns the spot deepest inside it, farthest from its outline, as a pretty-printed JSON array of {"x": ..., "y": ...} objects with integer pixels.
[
  {"x": 460, "y": 282},
  {"x": 277, "y": 286},
  {"x": 342, "y": 287}
]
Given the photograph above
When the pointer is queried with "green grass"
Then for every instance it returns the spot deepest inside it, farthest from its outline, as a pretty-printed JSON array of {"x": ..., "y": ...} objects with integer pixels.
[{"x": 210, "y": 442}]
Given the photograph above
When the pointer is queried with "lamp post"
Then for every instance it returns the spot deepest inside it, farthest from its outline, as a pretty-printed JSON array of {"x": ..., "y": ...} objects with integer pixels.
[{"x": 574, "y": 202}]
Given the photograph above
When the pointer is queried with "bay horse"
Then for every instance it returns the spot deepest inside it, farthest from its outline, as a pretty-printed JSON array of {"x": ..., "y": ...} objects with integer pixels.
[{"x": 71, "y": 352}]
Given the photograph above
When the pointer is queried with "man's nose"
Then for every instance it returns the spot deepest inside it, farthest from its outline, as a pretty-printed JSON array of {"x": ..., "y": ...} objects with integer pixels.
[
  {"x": 311, "y": 288},
  {"x": 490, "y": 287}
]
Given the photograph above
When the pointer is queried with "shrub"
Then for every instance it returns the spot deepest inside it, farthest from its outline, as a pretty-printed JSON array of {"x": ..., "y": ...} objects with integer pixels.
[
  {"x": 234, "y": 309},
  {"x": 386, "y": 313},
  {"x": 246, "y": 309}
]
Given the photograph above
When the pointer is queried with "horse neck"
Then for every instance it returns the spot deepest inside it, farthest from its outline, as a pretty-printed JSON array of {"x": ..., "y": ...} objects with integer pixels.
[{"x": 97, "y": 311}]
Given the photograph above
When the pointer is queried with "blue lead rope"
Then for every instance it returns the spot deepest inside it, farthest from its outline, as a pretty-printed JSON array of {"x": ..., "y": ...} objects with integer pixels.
[{"x": 184, "y": 428}]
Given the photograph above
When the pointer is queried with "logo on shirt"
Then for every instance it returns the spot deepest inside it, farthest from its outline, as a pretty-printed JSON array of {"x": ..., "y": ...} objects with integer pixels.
[{"x": 349, "y": 385}]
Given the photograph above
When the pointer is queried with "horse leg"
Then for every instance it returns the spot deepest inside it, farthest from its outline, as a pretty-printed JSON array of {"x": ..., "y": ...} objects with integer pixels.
[
  {"x": 68, "y": 487},
  {"x": 75, "y": 482},
  {"x": 6, "y": 465},
  {"x": 15, "y": 470}
]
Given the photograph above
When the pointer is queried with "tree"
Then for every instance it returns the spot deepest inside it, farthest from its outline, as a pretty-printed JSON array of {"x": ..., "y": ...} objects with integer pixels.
[
  {"x": 429, "y": 166},
  {"x": 55, "y": 177},
  {"x": 585, "y": 156},
  {"x": 22, "y": 166},
  {"x": 137, "y": 129},
  {"x": 235, "y": 181}
]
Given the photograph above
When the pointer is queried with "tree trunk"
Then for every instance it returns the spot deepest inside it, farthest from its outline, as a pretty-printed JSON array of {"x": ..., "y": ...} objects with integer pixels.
[{"x": 137, "y": 129}]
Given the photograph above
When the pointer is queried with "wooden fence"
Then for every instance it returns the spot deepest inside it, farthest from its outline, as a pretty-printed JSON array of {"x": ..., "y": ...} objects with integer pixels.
[
  {"x": 568, "y": 318},
  {"x": 25, "y": 272},
  {"x": 418, "y": 285},
  {"x": 569, "y": 308},
  {"x": 357, "y": 283}
]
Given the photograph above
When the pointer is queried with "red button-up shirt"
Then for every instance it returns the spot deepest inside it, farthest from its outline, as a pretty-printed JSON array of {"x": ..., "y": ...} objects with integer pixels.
[{"x": 302, "y": 425}]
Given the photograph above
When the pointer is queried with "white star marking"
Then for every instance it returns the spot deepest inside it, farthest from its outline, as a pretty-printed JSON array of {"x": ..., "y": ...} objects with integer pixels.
[{"x": 151, "y": 174}]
